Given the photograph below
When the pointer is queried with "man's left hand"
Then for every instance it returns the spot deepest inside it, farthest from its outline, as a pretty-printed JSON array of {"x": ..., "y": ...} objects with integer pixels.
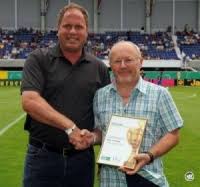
[{"x": 141, "y": 160}]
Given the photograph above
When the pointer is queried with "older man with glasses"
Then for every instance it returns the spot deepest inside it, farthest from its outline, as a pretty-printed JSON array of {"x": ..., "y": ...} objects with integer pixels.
[{"x": 129, "y": 95}]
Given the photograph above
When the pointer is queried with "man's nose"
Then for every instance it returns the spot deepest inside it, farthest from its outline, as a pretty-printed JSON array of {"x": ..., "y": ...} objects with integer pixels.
[
  {"x": 123, "y": 64},
  {"x": 72, "y": 29}
]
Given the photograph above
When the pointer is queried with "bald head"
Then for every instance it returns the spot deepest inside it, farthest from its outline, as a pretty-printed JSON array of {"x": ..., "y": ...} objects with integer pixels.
[{"x": 125, "y": 45}]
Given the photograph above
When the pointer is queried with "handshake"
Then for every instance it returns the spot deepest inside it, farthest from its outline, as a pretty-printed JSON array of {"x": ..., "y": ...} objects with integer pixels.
[{"x": 83, "y": 138}]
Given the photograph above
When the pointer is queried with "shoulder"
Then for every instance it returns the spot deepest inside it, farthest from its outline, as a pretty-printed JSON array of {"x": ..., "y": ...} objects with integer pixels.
[
  {"x": 153, "y": 87},
  {"x": 98, "y": 67},
  {"x": 45, "y": 53},
  {"x": 37, "y": 55},
  {"x": 95, "y": 61},
  {"x": 154, "y": 91},
  {"x": 102, "y": 97},
  {"x": 39, "y": 52},
  {"x": 104, "y": 90},
  {"x": 39, "y": 59}
]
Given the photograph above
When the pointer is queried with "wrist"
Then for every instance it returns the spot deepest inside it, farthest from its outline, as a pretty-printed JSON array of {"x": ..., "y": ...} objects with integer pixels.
[
  {"x": 151, "y": 156},
  {"x": 68, "y": 131},
  {"x": 94, "y": 138}
]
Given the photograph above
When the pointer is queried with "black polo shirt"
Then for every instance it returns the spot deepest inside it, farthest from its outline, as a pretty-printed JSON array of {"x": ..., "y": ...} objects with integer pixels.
[{"x": 67, "y": 88}]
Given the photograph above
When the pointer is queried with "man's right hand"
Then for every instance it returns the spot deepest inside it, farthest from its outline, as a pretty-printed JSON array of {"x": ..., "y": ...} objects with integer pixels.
[{"x": 81, "y": 139}]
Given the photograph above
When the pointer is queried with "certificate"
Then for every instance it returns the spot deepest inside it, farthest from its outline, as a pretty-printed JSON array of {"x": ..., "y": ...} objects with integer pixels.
[{"x": 122, "y": 141}]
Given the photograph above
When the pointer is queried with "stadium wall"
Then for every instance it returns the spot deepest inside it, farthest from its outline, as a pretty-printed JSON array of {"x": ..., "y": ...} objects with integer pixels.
[{"x": 109, "y": 18}]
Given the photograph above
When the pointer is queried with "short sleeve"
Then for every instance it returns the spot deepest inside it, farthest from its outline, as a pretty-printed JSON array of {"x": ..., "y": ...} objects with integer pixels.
[
  {"x": 33, "y": 76},
  {"x": 170, "y": 118}
]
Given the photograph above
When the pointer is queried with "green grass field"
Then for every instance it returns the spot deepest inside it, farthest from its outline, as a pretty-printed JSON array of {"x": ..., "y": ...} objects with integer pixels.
[{"x": 185, "y": 157}]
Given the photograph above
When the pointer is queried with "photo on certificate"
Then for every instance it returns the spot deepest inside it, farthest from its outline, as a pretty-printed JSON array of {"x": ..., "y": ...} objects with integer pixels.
[{"x": 122, "y": 141}]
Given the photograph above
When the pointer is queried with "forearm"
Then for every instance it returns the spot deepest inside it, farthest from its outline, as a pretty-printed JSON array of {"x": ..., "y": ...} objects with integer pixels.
[
  {"x": 39, "y": 109},
  {"x": 165, "y": 144}
]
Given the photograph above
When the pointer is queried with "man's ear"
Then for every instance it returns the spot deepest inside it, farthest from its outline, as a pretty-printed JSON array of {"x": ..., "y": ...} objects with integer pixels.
[{"x": 141, "y": 62}]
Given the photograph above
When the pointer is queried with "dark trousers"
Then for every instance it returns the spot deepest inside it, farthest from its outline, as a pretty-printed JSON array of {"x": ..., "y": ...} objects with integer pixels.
[
  {"x": 138, "y": 181},
  {"x": 44, "y": 168}
]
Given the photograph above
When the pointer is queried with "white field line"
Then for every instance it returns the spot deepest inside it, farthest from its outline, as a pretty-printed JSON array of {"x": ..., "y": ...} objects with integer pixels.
[
  {"x": 2, "y": 131},
  {"x": 181, "y": 96},
  {"x": 191, "y": 96},
  {"x": 187, "y": 97}
]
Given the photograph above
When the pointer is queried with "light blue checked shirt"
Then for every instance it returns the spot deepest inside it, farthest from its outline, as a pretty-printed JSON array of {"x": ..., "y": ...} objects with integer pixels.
[{"x": 147, "y": 101}]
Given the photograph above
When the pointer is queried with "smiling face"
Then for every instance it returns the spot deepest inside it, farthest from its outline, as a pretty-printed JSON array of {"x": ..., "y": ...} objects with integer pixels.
[
  {"x": 125, "y": 62},
  {"x": 72, "y": 31}
]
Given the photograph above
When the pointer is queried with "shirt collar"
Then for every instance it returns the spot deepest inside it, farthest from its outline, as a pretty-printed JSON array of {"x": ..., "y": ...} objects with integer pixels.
[
  {"x": 56, "y": 52},
  {"x": 141, "y": 86}
]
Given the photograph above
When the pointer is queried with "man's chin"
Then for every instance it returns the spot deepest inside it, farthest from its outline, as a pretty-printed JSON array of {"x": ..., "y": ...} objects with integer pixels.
[
  {"x": 124, "y": 80},
  {"x": 73, "y": 48}
]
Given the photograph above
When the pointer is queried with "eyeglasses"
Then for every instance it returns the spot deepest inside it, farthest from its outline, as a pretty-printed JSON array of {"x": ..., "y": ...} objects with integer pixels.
[{"x": 125, "y": 61}]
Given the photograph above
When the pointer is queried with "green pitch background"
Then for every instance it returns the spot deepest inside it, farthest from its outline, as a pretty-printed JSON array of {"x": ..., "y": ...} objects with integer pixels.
[{"x": 185, "y": 157}]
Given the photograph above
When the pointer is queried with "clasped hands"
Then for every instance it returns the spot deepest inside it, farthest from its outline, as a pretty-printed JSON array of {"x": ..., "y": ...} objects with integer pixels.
[{"x": 81, "y": 139}]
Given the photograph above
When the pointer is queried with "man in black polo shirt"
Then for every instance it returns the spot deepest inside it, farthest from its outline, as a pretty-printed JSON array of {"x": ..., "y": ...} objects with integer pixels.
[{"x": 58, "y": 87}]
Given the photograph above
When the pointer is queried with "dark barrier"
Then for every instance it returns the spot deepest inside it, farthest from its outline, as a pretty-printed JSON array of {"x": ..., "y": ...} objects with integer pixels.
[
  {"x": 10, "y": 83},
  {"x": 188, "y": 82},
  {"x": 164, "y": 78}
]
